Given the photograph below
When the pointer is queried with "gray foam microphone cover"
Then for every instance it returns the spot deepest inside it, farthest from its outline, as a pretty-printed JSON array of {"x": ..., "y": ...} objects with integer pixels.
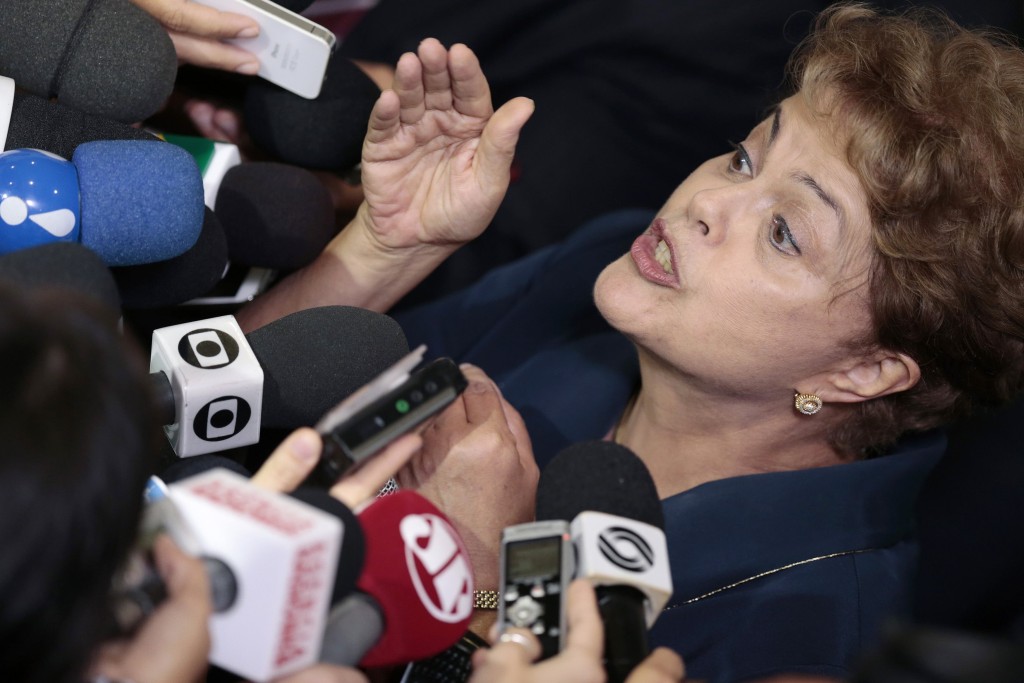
[{"x": 104, "y": 57}]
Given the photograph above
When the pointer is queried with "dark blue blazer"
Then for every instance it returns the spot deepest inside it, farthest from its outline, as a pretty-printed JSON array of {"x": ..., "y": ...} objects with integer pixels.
[{"x": 779, "y": 572}]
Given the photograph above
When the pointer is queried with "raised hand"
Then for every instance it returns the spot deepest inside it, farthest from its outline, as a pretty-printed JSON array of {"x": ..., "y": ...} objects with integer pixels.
[{"x": 436, "y": 156}]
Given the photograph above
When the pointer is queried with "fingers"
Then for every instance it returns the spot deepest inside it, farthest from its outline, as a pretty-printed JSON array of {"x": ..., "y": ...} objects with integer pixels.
[
  {"x": 291, "y": 462},
  {"x": 200, "y": 20},
  {"x": 481, "y": 397},
  {"x": 324, "y": 673},
  {"x": 214, "y": 122},
  {"x": 437, "y": 83},
  {"x": 498, "y": 141},
  {"x": 661, "y": 666},
  {"x": 183, "y": 575},
  {"x": 585, "y": 633},
  {"x": 471, "y": 94},
  {"x": 516, "y": 645},
  {"x": 408, "y": 85},
  {"x": 212, "y": 54},
  {"x": 365, "y": 482}
]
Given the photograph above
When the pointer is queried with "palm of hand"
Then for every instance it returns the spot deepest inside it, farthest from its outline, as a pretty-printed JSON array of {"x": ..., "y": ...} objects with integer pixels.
[{"x": 421, "y": 185}]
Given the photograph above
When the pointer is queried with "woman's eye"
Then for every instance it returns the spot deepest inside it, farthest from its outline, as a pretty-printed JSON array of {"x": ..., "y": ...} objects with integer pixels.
[
  {"x": 739, "y": 162},
  {"x": 780, "y": 236}
]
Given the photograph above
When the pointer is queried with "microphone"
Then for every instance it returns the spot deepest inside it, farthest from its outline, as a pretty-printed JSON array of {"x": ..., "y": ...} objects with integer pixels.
[
  {"x": 415, "y": 594},
  {"x": 37, "y": 123},
  {"x": 179, "y": 279},
  {"x": 325, "y": 133},
  {"x": 105, "y": 57},
  {"x": 131, "y": 202},
  {"x": 283, "y": 554},
  {"x": 618, "y": 533},
  {"x": 204, "y": 372},
  {"x": 274, "y": 215},
  {"x": 61, "y": 264}
]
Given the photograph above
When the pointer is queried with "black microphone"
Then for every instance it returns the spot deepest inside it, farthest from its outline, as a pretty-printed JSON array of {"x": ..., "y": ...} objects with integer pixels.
[
  {"x": 618, "y": 532},
  {"x": 105, "y": 57},
  {"x": 66, "y": 265},
  {"x": 325, "y": 133},
  {"x": 179, "y": 279},
  {"x": 274, "y": 215},
  {"x": 308, "y": 362},
  {"x": 37, "y": 123}
]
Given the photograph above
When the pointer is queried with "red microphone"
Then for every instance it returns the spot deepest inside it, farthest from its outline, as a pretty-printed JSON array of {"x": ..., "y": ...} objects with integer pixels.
[{"x": 416, "y": 578}]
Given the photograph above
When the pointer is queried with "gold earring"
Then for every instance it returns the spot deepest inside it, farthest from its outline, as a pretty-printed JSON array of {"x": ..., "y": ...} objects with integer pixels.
[{"x": 808, "y": 404}]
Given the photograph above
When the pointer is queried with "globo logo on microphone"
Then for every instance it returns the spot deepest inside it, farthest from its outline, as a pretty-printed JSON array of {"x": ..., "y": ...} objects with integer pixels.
[
  {"x": 438, "y": 567},
  {"x": 208, "y": 348},
  {"x": 39, "y": 199},
  {"x": 217, "y": 384}
]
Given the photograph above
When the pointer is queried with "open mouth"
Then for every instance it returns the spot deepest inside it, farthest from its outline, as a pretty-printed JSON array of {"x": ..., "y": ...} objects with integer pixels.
[{"x": 663, "y": 256}]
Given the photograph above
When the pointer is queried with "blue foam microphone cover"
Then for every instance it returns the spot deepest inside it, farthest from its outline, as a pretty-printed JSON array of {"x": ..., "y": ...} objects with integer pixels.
[{"x": 141, "y": 201}]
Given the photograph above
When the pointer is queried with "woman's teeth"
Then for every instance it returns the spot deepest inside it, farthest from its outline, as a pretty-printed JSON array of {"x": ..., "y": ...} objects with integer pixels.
[{"x": 663, "y": 256}]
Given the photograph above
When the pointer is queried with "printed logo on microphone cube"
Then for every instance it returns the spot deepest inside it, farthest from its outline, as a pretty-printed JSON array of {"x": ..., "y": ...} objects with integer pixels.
[
  {"x": 222, "y": 418},
  {"x": 208, "y": 348},
  {"x": 217, "y": 384},
  {"x": 440, "y": 573}
]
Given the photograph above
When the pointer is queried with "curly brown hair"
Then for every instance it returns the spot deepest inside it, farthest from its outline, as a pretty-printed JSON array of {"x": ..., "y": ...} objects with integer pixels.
[{"x": 934, "y": 119}]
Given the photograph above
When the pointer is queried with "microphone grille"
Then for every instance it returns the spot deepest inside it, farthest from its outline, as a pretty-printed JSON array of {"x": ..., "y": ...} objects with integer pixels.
[{"x": 598, "y": 476}]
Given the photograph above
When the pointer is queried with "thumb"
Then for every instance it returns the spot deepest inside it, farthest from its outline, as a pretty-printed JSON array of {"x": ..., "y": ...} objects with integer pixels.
[{"x": 498, "y": 141}]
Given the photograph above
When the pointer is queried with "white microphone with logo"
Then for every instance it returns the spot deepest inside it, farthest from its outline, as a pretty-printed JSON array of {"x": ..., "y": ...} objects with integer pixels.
[
  {"x": 212, "y": 394},
  {"x": 618, "y": 534},
  {"x": 283, "y": 555},
  {"x": 216, "y": 382}
]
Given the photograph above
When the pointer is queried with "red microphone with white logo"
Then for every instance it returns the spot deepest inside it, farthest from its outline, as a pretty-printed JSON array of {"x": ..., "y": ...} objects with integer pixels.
[{"x": 416, "y": 585}]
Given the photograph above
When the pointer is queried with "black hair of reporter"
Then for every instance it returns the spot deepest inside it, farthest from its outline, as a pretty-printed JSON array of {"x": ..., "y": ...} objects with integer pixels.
[{"x": 77, "y": 435}]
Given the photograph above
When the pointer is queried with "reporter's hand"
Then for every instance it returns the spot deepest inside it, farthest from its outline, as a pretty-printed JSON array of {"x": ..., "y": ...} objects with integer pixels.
[
  {"x": 293, "y": 460},
  {"x": 173, "y": 644},
  {"x": 511, "y": 661},
  {"x": 324, "y": 673},
  {"x": 477, "y": 466},
  {"x": 196, "y": 31}
]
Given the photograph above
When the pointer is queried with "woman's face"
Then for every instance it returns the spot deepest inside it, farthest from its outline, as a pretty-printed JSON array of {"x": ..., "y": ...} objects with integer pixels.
[{"x": 754, "y": 273}]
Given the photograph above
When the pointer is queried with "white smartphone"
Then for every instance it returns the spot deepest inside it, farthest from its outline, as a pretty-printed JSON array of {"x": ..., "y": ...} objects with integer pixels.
[{"x": 293, "y": 50}]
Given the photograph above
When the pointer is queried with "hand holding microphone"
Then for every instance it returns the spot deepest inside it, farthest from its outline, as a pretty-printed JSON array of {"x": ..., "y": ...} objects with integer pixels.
[{"x": 511, "y": 658}]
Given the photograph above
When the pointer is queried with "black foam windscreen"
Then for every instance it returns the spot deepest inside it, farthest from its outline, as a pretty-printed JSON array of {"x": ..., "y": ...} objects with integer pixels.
[
  {"x": 325, "y": 133},
  {"x": 105, "y": 57},
  {"x": 314, "y": 358},
  {"x": 64, "y": 265},
  {"x": 184, "y": 277},
  {"x": 274, "y": 215},
  {"x": 353, "y": 542},
  {"x": 599, "y": 476},
  {"x": 37, "y": 123}
]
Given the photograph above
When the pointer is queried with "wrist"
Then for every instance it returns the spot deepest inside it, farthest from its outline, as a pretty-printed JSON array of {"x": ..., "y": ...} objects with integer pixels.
[{"x": 378, "y": 272}]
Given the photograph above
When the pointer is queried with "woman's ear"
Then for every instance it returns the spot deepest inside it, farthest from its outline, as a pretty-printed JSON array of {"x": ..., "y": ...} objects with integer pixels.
[{"x": 879, "y": 374}]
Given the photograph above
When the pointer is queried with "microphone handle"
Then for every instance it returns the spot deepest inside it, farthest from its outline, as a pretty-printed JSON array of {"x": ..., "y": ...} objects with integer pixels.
[
  {"x": 353, "y": 626},
  {"x": 625, "y": 629}
]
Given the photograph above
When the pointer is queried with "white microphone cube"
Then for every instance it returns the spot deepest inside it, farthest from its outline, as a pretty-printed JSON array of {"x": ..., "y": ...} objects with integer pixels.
[
  {"x": 217, "y": 384},
  {"x": 284, "y": 556},
  {"x": 613, "y": 550}
]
